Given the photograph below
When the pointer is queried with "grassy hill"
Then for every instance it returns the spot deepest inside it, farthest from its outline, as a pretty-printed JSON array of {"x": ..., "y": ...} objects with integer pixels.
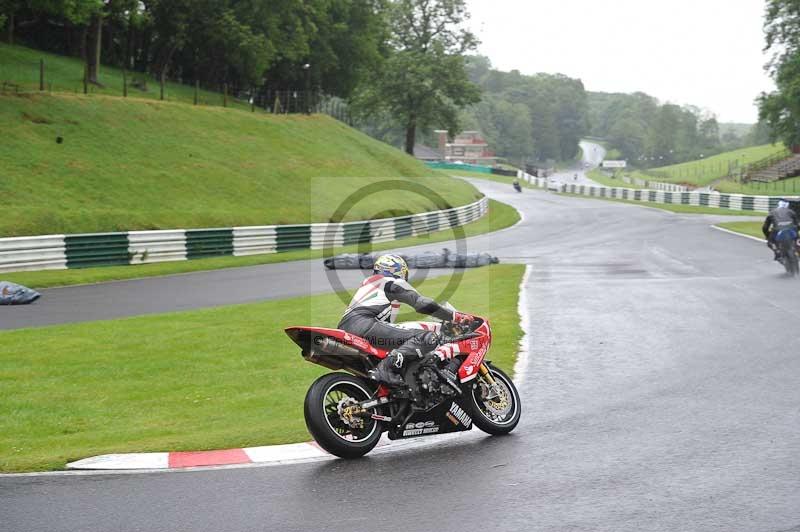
[
  {"x": 704, "y": 171},
  {"x": 127, "y": 164}
]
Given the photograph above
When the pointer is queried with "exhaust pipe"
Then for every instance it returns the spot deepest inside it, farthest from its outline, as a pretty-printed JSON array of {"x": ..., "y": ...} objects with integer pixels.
[{"x": 332, "y": 347}]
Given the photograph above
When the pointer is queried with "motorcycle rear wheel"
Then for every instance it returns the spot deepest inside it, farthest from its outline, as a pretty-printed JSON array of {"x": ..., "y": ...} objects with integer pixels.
[
  {"x": 498, "y": 416},
  {"x": 325, "y": 399},
  {"x": 790, "y": 261}
]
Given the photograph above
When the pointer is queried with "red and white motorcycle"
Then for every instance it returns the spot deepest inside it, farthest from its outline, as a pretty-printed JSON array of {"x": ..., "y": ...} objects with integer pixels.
[{"x": 346, "y": 413}]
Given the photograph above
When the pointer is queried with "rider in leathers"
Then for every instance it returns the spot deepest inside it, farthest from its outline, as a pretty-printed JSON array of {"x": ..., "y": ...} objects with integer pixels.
[
  {"x": 782, "y": 217},
  {"x": 374, "y": 308}
]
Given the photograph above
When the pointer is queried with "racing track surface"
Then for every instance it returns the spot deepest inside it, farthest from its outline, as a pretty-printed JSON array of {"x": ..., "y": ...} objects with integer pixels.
[
  {"x": 231, "y": 286},
  {"x": 661, "y": 393}
]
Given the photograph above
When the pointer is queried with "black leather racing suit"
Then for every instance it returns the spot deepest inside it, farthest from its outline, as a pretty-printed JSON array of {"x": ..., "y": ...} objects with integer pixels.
[
  {"x": 778, "y": 219},
  {"x": 374, "y": 308}
]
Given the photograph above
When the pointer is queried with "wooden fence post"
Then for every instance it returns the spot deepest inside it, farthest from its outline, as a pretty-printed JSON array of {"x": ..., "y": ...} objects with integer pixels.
[
  {"x": 124, "y": 83},
  {"x": 161, "y": 81},
  {"x": 41, "y": 74},
  {"x": 224, "y": 95},
  {"x": 196, "y": 90}
]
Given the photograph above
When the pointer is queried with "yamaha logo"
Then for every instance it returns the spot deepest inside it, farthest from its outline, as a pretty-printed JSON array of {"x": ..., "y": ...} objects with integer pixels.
[{"x": 459, "y": 414}]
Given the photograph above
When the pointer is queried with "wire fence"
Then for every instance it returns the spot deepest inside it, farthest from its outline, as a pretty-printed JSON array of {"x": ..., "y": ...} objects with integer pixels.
[{"x": 62, "y": 76}]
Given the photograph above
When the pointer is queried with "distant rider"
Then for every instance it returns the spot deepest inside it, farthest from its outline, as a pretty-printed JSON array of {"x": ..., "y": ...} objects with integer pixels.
[
  {"x": 781, "y": 217},
  {"x": 374, "y": 308}
]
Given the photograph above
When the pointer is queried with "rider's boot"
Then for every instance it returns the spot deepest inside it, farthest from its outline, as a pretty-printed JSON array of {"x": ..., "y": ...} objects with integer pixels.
[{"x": 388, "y": 370}]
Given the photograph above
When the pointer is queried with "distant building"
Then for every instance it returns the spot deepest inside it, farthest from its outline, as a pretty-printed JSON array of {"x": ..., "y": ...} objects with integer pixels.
[{"x": 468, "y": 147}]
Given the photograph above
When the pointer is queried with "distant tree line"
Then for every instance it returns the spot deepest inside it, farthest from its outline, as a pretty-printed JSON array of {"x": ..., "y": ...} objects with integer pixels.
[
  {"x": 242, "y": 43},
  {"x": 536, "y": 117},
  {"x": 648, "y": 133},
  {"x": 523, "y": 118},
  {"x": 402, "y": 60}
]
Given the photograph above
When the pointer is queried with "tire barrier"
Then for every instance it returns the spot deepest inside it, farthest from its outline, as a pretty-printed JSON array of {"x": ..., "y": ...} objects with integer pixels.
[
  {"x": 58, "y": 252},
  {"x": 738, "y": 202}
]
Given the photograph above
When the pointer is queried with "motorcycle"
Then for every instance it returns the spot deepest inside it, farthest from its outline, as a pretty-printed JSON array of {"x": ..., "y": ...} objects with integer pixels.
[
  {"x": 346, "y": 413},
  {"x": 517, "y": 186},
  {"x": 788, "y": 247}
]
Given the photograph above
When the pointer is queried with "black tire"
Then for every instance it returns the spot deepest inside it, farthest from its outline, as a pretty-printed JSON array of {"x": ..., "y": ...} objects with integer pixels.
[
  {"x": 326, "y": 425},
  {"x": 482, "y": 411},
  {"x": 790, "y": 258}
]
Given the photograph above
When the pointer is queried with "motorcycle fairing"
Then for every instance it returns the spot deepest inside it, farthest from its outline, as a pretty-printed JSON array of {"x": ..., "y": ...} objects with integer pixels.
[
  {"x": 445, "y": 418},
  {"x": 477, "y": 348}
]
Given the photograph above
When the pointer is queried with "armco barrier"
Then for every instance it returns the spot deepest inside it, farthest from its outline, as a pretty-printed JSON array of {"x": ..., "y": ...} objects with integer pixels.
[
  {"x": 739, "y": 202},
  {"x": 143, "y": 247}
]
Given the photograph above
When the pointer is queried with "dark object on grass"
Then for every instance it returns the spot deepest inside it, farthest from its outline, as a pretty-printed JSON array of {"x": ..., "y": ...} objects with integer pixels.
[
  {"x": 59, "y": 139},
  {"x": 15, "y": 294},
  {"x": 427, "y": 260}
]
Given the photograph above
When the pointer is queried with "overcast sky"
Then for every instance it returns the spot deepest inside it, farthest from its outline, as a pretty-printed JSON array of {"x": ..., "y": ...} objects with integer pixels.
[{"x": 700, "y": 52}]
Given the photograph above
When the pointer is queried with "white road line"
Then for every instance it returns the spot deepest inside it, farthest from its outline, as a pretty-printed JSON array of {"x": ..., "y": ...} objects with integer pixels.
[
  {"x": 521, "y": 366},
  {"x": 718, "y": 228}
]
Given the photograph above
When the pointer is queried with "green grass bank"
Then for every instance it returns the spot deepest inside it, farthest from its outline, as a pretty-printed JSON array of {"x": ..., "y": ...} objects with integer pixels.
[
  {"x": 704, "y": 171},
  {"x": 209, "y": 379},
  {"x": 132, "y": 164}
]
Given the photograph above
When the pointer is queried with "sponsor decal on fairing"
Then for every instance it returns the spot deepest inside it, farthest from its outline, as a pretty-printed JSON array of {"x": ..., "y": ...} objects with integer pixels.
[{"x": 420, "y": 428}]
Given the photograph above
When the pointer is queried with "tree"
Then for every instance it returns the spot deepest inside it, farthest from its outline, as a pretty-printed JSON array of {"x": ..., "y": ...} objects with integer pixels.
[
  {"x": 708, "y": 133},
  {"x": 82, "y": 13},
  {"x": 423, "y": 81},
  {"x": 8, "y": 10},
  {"x": 781, "y": 108}
]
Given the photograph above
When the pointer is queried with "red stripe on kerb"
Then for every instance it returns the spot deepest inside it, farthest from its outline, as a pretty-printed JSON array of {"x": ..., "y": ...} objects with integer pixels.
[{"x": 208, "y": 458}]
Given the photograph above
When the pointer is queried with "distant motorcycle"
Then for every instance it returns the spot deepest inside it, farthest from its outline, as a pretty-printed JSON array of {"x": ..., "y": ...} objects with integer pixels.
[
  {"x": 788, "y": 248},
  {"x": 517, "y": 186}
]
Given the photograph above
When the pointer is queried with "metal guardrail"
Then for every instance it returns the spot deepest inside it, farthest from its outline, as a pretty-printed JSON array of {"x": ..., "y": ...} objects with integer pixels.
[
  {"x": 144, "y": 247},
  {"x": 739, "y": 202}
]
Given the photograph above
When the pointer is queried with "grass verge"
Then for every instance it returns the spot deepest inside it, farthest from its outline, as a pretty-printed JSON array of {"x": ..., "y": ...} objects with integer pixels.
[
  {"x": 499, "y": 217},
  {"x": 209, "y": 379},
  {"x": 599, "y": 177},
  {"x": 682, "y": 209},
  {"x": 745, "y": 228}
]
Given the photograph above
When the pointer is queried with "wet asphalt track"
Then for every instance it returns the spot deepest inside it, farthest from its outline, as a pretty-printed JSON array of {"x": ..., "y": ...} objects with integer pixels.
[{"x": 662, "y": 393}]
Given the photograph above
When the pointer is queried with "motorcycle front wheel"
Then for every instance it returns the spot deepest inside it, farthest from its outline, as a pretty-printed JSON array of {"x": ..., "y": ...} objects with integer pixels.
[
  {"x": 495, "y": 413},
  {"x": 327, "y": 419}
]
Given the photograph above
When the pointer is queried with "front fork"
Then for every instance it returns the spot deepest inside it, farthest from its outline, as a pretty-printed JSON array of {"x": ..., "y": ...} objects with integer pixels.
[{"x": 494, "y": 388}]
